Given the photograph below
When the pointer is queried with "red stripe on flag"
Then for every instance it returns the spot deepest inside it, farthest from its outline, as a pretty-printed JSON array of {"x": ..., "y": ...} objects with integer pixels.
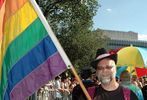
[{"x": 1, "y": 3}]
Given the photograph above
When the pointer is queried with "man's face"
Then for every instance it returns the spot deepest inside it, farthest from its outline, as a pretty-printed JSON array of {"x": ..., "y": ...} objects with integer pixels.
[{"x": 106, "y": 70}]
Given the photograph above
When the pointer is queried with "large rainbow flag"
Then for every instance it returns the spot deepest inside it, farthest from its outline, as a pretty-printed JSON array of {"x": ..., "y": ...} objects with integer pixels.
[{"x": 30, "y": 53}]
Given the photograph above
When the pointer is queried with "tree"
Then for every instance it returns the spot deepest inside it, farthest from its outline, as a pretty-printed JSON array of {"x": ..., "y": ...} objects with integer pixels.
[
  {"x": 86, "y": 46},
  {"x": 69, "y": 16},
  {"x": 71, "y": 20}
]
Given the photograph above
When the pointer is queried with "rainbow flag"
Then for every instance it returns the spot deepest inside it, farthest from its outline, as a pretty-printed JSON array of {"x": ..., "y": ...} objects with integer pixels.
[{"x": 30, "y": 53}]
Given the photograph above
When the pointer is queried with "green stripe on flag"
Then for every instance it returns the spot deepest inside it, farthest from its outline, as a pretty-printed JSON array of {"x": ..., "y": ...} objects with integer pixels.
[{"x": 21, "y": 46}]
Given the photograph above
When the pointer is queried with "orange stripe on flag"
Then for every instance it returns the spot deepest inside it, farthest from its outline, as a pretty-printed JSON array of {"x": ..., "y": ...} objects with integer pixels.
[
  {"x": 12, "y": 6},
  {"x": 2, "y": 11}
]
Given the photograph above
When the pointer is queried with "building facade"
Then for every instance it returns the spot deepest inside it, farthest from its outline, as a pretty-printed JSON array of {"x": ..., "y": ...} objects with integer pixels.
[{"x": 119, "y": 39}]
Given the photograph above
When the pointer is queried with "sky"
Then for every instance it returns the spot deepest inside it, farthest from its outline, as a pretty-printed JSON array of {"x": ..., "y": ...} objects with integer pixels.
[{"x": 123, "y": 15}]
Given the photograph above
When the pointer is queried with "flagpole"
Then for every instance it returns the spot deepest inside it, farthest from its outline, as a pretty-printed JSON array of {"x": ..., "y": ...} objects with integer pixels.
[{"x": 58, "y": 46}]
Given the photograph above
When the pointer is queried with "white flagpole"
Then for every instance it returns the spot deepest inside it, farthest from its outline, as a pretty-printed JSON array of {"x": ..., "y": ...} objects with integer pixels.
[
  {"x": 58, "y": 46},
  {"x": 50, "y": 33}
]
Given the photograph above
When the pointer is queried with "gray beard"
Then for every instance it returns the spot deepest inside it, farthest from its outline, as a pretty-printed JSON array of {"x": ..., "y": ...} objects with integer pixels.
[{"x": 106, "y": 80}]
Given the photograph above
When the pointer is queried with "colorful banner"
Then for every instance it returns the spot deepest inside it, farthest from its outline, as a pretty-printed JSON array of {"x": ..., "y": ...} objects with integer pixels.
[
  {"x": 141, "y": 72},
  {"x": 30, "y": 54}
]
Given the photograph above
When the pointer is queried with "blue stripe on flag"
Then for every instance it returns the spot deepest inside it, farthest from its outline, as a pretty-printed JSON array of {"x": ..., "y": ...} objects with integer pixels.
[{"x": 31, "y": 61}]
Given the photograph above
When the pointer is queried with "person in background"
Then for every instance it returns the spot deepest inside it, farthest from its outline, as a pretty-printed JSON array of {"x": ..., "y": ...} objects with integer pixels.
[
  {"x": 86, "y": 74},
  {"x": 95, "y": 79},
  {"x": 57, "y": 86},
  {"x": 105, "y": 65},
  {"x": 65, "y": 83},
  {"x": 141, "y": 79},
  {"x": 125, "y": 78},
  {"x": 144, "y": 90},
  {"x": 136, "y": 82}
]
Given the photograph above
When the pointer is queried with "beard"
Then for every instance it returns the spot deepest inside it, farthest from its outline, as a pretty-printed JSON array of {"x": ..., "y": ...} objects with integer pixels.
[{"x": 106, "y": 79}]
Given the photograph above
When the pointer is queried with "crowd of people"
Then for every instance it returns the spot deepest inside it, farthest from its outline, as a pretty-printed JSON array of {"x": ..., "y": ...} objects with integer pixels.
[{"x": 101, "y": 83}]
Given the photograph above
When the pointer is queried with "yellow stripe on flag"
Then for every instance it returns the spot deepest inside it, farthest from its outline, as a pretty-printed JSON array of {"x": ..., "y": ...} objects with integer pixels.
[{"x": 17, "y": 24}]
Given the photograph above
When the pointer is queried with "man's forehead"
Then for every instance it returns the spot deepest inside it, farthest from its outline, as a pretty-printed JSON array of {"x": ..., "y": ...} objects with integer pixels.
[{"x": 106, "y": 61}]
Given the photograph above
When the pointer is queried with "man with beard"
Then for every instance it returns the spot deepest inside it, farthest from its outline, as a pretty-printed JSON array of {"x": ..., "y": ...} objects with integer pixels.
[{"x": 105, "y": 65}]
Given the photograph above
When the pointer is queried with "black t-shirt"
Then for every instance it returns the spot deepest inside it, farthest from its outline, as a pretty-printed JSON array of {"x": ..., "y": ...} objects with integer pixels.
[{"x": 101, "y": 94}]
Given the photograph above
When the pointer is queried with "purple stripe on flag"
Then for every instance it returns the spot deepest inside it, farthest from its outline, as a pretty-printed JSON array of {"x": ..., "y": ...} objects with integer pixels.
[{"x": 42, "y": 74}]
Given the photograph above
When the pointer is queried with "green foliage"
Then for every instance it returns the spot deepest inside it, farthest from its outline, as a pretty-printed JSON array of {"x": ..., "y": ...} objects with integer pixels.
[
  {"x": 71, "y": 21},
  {"x": 86, "y": 45},
  {"x": 69, "y": 16}
]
